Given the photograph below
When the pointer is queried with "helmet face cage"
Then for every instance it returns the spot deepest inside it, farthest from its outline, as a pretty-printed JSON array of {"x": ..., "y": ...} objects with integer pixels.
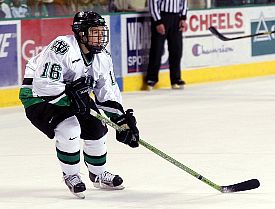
[
  {"x": 91, "y": 30},
  {"x": 99, "y": 36}
]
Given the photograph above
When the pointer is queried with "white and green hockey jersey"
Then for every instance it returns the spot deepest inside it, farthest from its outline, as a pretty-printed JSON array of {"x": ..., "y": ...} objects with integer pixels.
[{"x": 62, "y": 61}]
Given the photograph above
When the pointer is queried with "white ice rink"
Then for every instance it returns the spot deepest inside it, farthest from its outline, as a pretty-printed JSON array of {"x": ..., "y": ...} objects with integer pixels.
[{"x": 224, "y": 131}]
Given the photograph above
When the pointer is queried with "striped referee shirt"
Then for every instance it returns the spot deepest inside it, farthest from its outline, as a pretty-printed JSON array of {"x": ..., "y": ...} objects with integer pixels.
[{"x": 170, "y": 6}]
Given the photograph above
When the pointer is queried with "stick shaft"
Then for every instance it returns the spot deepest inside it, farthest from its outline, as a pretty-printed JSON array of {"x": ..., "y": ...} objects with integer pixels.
[
  {"x": 224, "y": 38},
  {"x": 160, "y": 153},
  {"x": 180, "y": 165},
  {"x": 252, "y": 35}
]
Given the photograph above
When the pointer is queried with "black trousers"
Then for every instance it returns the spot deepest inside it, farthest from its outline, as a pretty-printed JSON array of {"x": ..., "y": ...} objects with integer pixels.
[
  {"x": 46, "y": 116},
  {"x": 174, "y": 39}
]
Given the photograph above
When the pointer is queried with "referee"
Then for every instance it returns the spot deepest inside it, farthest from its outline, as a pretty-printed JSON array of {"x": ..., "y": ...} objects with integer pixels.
[{"x": 167, "y": 22}]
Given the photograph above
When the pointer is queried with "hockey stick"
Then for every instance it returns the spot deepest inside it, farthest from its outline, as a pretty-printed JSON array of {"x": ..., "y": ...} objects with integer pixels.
[
  {"x": 246, "y": 185},
  {"x": 220, "y": 36}
]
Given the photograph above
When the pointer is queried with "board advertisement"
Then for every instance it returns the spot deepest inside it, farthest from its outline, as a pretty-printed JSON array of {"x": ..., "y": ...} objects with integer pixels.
[{"x": 9, "y": 54}]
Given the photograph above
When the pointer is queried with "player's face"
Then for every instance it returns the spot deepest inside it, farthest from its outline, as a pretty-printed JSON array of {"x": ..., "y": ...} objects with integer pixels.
[{"x": 98, "y": 36}]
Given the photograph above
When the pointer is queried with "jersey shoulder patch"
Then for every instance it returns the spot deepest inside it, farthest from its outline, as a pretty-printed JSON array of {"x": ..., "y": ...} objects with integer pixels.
[{"x": 60, "y": 47}]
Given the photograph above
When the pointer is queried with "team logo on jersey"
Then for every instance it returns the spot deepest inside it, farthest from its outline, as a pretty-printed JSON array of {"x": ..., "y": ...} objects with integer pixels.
[{"x": 60, "y": 47}]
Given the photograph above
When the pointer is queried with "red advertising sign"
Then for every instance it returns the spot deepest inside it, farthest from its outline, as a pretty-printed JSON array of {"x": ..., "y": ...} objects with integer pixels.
[
  {"x": 38, "y": 33},
  {"x": 222, "y": 20}
]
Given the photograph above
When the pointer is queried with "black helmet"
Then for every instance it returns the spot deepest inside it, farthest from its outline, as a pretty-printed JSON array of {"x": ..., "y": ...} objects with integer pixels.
[{"x": 82, "y": 22}]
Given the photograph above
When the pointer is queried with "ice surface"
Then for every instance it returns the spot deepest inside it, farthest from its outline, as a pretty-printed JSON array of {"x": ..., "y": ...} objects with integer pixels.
[{"x": 225, "y": 131}]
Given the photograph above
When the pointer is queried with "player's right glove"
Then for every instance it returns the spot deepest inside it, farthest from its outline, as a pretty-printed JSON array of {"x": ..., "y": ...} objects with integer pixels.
[
  {"x": 78, "y": 92},
  {"x": 130, "y": 135}
]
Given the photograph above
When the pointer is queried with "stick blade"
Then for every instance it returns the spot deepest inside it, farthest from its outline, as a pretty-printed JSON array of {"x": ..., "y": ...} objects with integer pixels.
[
  {"x": 214, "y": 31},
  {"x": 243, "y": 186}
]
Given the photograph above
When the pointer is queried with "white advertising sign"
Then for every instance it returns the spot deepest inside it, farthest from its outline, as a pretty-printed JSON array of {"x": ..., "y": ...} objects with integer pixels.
[{"x": 200, "y": 48}]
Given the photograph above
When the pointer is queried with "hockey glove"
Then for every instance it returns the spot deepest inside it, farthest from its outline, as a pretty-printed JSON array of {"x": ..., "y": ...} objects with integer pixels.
[
  {"x": 130, "y": 135},
  {"x": 78, "y": 92}
]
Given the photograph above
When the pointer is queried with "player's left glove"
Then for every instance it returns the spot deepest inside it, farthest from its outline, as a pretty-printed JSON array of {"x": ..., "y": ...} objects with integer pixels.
[{"x": 130, "y": 135}]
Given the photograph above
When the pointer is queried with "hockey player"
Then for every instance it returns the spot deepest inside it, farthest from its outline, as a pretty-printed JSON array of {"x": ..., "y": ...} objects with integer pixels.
[{"x": 56, "y": 97}]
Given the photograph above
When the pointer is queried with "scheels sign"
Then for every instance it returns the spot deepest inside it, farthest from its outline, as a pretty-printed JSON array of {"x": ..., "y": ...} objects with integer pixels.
[{"x": 220, "y": 20}]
